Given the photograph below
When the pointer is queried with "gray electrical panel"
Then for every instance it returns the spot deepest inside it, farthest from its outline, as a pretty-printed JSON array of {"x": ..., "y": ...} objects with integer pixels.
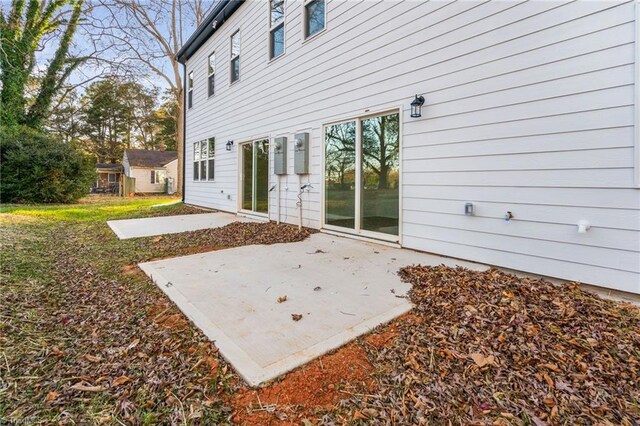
[
  {"x": 280, "y": 156},
  {"x": 301, "y": 154}
]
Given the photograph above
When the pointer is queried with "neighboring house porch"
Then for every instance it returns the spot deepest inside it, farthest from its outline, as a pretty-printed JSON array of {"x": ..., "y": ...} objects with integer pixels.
[{"x": 108, "y": 178}]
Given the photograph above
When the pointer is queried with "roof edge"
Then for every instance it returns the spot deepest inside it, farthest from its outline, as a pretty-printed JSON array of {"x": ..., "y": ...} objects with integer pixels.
[{"x": 220, "y": 13}]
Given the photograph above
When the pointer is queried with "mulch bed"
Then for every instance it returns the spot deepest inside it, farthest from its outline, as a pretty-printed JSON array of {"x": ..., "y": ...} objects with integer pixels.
[{"x": 492, "y": 348}]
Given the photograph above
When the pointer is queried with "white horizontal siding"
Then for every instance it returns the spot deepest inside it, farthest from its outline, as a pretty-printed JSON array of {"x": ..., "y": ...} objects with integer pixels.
[{"x": 529, "y": 108}]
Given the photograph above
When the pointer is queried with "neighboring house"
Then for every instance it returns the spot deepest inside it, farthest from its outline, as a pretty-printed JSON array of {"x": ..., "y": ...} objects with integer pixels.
[
  {"x": 151, "y": 169},
  {"x": 108, "y": 179},
  {"x": 524, "y": 155}
]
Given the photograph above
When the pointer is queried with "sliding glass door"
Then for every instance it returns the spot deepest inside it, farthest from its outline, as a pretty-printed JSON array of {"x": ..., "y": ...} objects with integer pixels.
[
  {"x": 362, "y": 173},
  {"x": 255, "y": 176}
]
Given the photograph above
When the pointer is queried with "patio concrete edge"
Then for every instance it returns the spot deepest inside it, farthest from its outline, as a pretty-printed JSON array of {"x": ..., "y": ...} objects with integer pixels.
[
  {"x": 252, "y": 373},
  {"x": 225, "y": 345}
]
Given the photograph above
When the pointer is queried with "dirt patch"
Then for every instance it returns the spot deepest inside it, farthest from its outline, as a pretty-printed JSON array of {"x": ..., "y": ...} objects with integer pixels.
[
  {"x": 315, "y": 387},
  {"x": 386, "y": 334},
  {"x": 132, "y": 270}
]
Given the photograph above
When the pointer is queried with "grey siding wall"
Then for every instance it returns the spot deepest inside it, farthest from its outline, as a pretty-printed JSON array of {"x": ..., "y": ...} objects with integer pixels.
[{"x": 529, "y": 109}]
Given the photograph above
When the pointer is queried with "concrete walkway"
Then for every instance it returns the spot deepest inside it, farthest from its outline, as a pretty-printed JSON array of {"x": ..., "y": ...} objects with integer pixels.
[
  {"x": 342, "y": 288},
  {"x": 147, "y": 227}
]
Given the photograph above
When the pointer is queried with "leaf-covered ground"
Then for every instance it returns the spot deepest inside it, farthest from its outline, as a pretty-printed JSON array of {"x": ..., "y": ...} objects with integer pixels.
[
  {"x": 492, "y": 348},
  {"x": 86, "y": 338}
]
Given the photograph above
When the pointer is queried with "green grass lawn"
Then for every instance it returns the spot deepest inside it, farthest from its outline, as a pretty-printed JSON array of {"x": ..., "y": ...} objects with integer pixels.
[{"x": 97, "y": 208}]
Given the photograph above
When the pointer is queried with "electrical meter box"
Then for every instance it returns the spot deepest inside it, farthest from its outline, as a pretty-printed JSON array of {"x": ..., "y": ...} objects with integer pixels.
[
  {"x": 280, "y": 156},
  {"x": 301, "y": 154}
]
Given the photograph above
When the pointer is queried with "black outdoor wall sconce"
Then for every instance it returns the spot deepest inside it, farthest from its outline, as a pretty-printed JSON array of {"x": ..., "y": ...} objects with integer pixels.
[
  {"x": 229, "y": 145},
  {"x": 416, "y": 106}
]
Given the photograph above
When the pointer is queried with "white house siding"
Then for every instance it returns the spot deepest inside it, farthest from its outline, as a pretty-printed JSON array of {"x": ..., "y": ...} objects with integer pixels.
[
  {"x": 143, "y": 177},
  {"x": 529, "y": 109}
]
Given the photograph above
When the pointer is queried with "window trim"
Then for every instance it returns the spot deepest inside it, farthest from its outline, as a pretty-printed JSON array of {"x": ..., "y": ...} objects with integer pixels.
[
  {"x": 211, "y": 74},
  {"x": 154, "y": 176},
  {"x": 275, "y": 26},
  {"x": 232, "y": 57},
  {"x": 306, "y": 37},
  {"x": 190, "y": 90},
  {"x": 211, "y": 155}
]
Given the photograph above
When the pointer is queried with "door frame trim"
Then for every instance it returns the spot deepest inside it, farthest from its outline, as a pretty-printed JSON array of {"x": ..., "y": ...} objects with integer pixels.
[
  {"x": 375, "y": 236},
  {"x": 239, "y": 178}
]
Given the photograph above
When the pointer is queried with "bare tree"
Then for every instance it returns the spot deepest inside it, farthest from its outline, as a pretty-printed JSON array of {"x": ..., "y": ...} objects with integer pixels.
[{"x": 147, "y": 35}]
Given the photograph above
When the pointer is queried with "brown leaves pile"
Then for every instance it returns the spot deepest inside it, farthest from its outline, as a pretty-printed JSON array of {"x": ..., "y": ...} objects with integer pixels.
[
  {"x": 234, "y": 235},
  {"x": 492, "y": 348}
]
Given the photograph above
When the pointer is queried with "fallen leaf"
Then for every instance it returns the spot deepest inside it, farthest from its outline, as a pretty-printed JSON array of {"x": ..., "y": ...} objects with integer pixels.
[
  {"x": 120, "y": 381},
  {"x": 296, "y": 317},
  {"x": 552, "y": 367},
  {"x": 479, "y": 359},
  {"x": 87, "y": 388},
  {"x": 51, "y": 396},
  {"x": 92, "y": 358},
  {"x": 282, "y": 299},
  {"x": 56, "y": 351},
  {"x": 133, "y": 344}
]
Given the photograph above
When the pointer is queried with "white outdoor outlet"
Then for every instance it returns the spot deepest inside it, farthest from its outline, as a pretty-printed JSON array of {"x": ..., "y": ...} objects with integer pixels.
[{"x": 583, "y": 227}]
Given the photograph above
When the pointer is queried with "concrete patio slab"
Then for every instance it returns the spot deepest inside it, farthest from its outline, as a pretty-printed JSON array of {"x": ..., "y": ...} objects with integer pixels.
[
  {"x": 342, "y": 287},
  {"x": 150, "y": 226}
]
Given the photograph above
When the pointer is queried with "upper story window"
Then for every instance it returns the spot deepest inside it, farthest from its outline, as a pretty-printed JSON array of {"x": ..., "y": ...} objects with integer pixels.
[
  {"x": 314, "y": 17},
  {"x": 276, "y": 28},
  {"x": 190, "y": 92},
  {"x": 235, "y": 56},
  {"x": 212, "y": 74}
]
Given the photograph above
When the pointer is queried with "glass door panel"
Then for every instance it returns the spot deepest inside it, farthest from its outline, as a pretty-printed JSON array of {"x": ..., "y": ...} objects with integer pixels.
[
  {"x": 247, "y": 176},
  {"x": 255, "y": 176},
  {"x": 380, "y": 174},
  {"x": 362, "y": 175},
  {"x": 340, "y": 175},
  {"x": 261, "y": 149}
]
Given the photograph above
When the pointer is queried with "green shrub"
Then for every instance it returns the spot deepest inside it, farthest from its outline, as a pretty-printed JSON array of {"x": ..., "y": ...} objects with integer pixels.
[{"x": 37, "y": 168}]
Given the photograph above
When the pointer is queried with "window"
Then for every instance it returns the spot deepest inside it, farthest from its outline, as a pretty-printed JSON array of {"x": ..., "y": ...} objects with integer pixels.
[
  {"x": 276, "y": 28},
  {"x": 313, "y": 17},
  {"x": 204, "y": 155},
  {"x": 113, "y": 177},
  {"x": 212, "y": 73},
  {"x": 158, "y": 176},
  {"x": 235, "y": 56},
  {"x": 212, "y": 159},
  {"x": 190, "y": 93}
]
